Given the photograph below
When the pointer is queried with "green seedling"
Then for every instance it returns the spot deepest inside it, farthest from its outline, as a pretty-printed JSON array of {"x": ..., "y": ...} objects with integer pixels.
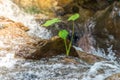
[
  {"x": 64, "y": 33},
  {"x": 72, "y": 18}
]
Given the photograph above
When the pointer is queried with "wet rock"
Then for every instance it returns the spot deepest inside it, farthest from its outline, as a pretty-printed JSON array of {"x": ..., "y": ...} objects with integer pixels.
[
  {"x": 89, "y": 58},
  {"x": 11, "y": 34},
  {"x": 48, "y": 7},
  {"x": 44, "y": 48},
  {"x": 107, "y": 29},
  {"x": 114, "y": 77},
  {"x": 15, "y": 39},
  {"x": 52, "y": 8},
  {"x": 6, "y": 23},
  {"x": 94, "y": 5},
  {"x": 25, "y": 3},
  {"x": 78, "y": 24}
]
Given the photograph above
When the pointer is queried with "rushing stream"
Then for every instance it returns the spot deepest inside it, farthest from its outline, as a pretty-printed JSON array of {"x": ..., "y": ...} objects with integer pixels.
[{"x": 55, "y": 68}]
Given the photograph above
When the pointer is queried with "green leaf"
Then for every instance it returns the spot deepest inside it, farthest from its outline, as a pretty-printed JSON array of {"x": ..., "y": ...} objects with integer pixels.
[
  {"x": 63, "y": 34},
  {"x": 51, "y": 22},
  {"x": 74, "y": 17}
]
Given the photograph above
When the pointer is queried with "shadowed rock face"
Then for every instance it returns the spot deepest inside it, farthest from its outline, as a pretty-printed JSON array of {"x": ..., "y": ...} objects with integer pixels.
[
  {"x": 44, "y": 48},
  {"x": 107, "y": 28}
]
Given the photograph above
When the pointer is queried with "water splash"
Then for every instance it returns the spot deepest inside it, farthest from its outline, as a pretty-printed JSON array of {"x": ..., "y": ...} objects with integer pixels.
[
  {"x": 101, "y": 70},
  {"x": 10, "y": 10},
  {"x": 87, "y": 42},
  {"x": 54, "y": 68},
  {"x": 101, "y": 52},
  {"x": 57, "y": 69},
  {"x": 7, "y": 61}
]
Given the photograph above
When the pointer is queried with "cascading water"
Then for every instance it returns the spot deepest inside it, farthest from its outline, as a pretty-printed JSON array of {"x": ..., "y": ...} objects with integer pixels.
[
  {"x": 49, "y": 69},
  {"x": 13, "y": 12}
]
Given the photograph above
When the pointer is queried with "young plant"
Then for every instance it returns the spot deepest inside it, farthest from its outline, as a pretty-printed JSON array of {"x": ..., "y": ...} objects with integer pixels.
[
  {"x": 72, "y": 18},
  {"x": 64, "y": 33}
]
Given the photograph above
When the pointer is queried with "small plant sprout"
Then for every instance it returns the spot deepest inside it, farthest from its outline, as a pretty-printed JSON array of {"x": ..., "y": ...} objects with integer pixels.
[
  {"x": 72, "y": 18},
  {"x": 64, "y": 33}
]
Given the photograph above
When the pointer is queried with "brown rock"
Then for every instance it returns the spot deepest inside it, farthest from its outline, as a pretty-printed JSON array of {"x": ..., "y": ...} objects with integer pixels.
[
  {"x": 114, "y": 77},
  {"x": 107, "y": 29},
  {"x": 94, "y": 5},
  {"x": 14, "y": 39},
  {"x": 26, "y": 3},
  {"x": 49, "y": 7},
  {"x": 12, "y": 34},
  {"x": 44, "y": 48},
  {"x": 53, "y": 5},
  {"x": 5, "y": 23},
  {"x": 89, "y": 58}
]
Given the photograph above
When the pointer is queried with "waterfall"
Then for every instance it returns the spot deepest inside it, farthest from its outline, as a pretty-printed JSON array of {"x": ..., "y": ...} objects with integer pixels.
[
  {"x": 53, "y": 68},
  {"x": 12, "y": 11}
]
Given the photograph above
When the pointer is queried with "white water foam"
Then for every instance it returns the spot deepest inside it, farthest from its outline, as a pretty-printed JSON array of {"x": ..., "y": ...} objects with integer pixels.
[
  {"x": 10, "y": 10},
  {"x": 101, "y": 70},
  {"x": 7, "y": 61},
  {"x": 11, "y": 69},
  {"x": 100, "y": 52}
]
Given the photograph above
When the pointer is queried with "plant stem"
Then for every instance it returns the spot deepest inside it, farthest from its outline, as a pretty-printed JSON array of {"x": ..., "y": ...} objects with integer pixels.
[{"x": 68, "y": 50}]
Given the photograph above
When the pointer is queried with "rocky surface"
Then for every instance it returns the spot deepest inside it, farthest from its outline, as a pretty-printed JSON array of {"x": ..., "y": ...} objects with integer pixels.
[
  {"x": 114, "y": 77},
  {"x": 61, "y": 7},
  {"x": 89, "y": 58},
  {"x": 43, "y": 48},
  {"x": 107, "y": 29},
  {"x": 48, "y": 7},
  {"x": 15, "y": 39}
]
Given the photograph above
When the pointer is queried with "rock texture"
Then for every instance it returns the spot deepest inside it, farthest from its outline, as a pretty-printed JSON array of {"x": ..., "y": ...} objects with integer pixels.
[
  {"x": 43, "y": 49},
  {"x": 26, "y": 3},
  {"x": 14, "y": 39},
  {"x": 89, "y": 58},
  {"x": 48, "y": 7},
  {"x": 114, "y": 77},
  {"x": 107, "y": 29},
  {"x": 12, "y": 34},
  {"x": 61, "y": 7}
]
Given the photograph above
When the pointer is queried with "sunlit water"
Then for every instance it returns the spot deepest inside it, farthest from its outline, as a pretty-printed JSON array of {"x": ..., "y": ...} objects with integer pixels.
[
  {"x": 12, "y": 11},
  {"x": 55, "y": 68}
]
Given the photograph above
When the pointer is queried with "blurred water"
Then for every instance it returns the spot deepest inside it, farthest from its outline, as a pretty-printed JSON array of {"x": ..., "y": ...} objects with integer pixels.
[
  {"x": 53, "y": 68},
  {"x": 9, "y": 10}
]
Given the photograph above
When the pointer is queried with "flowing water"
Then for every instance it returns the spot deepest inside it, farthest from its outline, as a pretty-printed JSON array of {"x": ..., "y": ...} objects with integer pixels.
[
  {"x": 13, "y": 12},
  {"x": 55, "y": 68}
]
